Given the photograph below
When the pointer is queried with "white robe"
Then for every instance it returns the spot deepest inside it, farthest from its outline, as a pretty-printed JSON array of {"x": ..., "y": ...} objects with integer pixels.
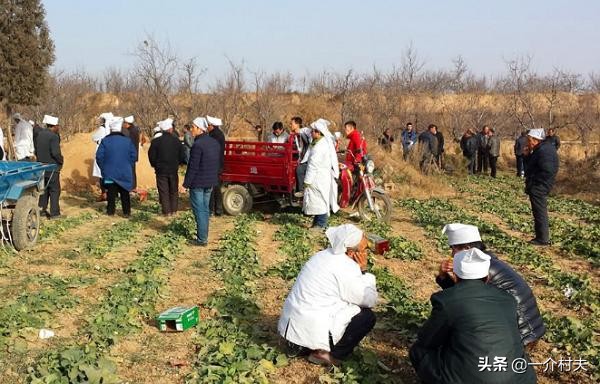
[
  {"x": 328, "y": 292},
  {"x": 24, "y": 140},
  {"x": 100, "y": 133},
  {"x": 320, "y": 194}
]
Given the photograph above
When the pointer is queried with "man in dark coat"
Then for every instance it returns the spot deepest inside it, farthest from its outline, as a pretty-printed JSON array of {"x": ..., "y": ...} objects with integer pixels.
[
  {"x": 202, "y": 176},
  {"x": 214, "y": 131},
  {"x": 47, "y": 150},
  {"x": 482, "y": 150},
  {"x": 165, "y": 154},
  {"x": 553, "y": 138},
  {"x": 440, "y": 151},
  {"x": 468, "y": 145},
  {"x": 133, "y": 132},
  {"x": 471, "y": 335},
  {"x": 428, "y": 143},
  {"x": 115, "y": 157},
  {"x": 520, "y": 145},
  {"x": 541, "y": 167},
  {"x": 462, "y": 237}
]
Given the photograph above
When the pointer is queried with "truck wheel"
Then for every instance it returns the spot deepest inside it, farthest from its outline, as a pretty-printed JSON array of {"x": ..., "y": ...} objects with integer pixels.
[
  {"x": 382, "y": 203},
  {"x": 237, "y": 200},
  {"x": 25, "y": 226}
]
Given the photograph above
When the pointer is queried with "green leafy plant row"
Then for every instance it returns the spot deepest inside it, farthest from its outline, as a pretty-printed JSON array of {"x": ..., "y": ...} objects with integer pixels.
[
  {"x": 121, "y": 312},
  {"x": 52, "y": 229}
]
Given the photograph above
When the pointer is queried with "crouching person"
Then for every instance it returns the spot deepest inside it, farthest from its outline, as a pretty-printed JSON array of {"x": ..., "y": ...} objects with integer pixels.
[
  {"x": 472, "y": 334},
  {"x": 327, "y": 312}
]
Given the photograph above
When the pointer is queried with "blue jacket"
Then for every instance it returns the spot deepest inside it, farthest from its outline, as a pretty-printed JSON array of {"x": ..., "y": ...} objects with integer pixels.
[
  {"x": 116, "y": 156},
  {"x": 204, "y": 164},
  {"x": 407, "y": 137}
]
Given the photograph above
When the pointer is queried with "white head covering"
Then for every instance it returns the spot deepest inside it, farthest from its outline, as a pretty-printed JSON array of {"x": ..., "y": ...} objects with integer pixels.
[
  {"x": 471, "y": 264},
  {"x": 343, "y": 237},
  {"x": 129, "y": 119},
  {"x": 338, "y": 135},
  {"x": 322, "y": 126},
  {"x": 201, "y": 123},
  {"x": 537, "y": 133},
  {"x": 31, "y": 122},
  {"x": 106, "y": 116},
  {"x": 50, "y": 120},
  {"x": 156, "y": 129},
  {"x": 214, "y": 121},
  {"x": 166, "y": 124},
  {"x": 461, "y": 233},
  {"x": 116, "y": 124},
  {"x": 16, "y": 116}
]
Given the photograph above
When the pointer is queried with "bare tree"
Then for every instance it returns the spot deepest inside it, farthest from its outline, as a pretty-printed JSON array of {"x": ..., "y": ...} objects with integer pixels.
[{"x": 227, "y": 98}]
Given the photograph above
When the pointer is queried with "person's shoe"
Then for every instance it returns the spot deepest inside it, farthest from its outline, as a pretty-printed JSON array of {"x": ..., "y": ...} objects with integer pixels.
[
  {"x": 299, "y": 194},
  {"x": 45, "y": 213},
  {"x": 321, "y": 357},
  {"x": 539, "y": 243},
  {"x": 54, "y": 217},
  {"x": 218, "y": 213},
  {"x": 197, "y": 243}
]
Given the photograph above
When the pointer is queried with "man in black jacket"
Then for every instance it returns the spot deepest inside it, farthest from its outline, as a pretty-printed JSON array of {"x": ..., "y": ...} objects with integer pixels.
[
  {"x": 471, "y": 335},
  {"x": 165, "y": 154},
  {"x": 520, "y": 145},
  {"x": 541, "y": 167},
  {"x": 463, "y": 237},
  {"x": 47, "y": 150},
  {"x": 201, "y": 176},
  {"x": 216, "y": 197},
  {"x": 133, "y": 132},
  {"x": 482, "y": 149}
]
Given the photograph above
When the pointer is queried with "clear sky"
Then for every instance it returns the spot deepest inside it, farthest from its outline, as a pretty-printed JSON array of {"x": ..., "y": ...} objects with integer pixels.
[{"x": 310, "y": 35}]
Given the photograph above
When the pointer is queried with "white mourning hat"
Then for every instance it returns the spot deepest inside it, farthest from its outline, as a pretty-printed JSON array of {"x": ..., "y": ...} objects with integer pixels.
[
  {"x": 116, "y": 124},
  {"x": 50, "y": 120},
  {"x": 471, "y": 264},
  {"x": 201, "y": 123},
  {"x": 461, "y": 233},
  {"x": 537, "y": 133},
  {"x": 166, "y": 124},
  {"x": 129, "y": 119},
  {"x": 214, "y": 121}
]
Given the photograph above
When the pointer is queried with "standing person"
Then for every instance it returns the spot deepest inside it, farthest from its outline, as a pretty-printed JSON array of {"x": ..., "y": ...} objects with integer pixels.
[
  {"x": 541, "y": 167},
  {"x": 165, "y": 155},
  {"x": 470, "y": 326},
  {"x": 302, "y": 140},
  {"x": 386, "y": 140},
  {"x": 328, "y": 310},
  {"x": 409, "y": 138},
  {"x": 462, "y": 237},
  {"x": 201, "y": 176},
  {"x": 553, "y": 138},
  {"x": 133, "y": 132},
  {"x": 116, "y": 156},
  {"x": 100, "y": 133},
  {"x": 187, "y": 142},
  {"x": 429, "y": 147},
  {"x": 320, "y": 187},
  {"x": 24, "y": 148},
  {"x": 494, "y": 151},
  {"x": 48, "y": 151},
  {"x": 520, "y": 147},
  {"x": 216, "y": 196},
  {"x": 468, "y": 144},
  {"x": 440, "y": 150},
  {"x": 356, "y": 150},
  {"x": 482, "y": 149}
]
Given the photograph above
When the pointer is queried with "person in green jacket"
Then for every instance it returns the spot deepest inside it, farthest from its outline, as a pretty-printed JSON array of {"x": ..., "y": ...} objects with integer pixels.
[{"x": 472, "y": 334}]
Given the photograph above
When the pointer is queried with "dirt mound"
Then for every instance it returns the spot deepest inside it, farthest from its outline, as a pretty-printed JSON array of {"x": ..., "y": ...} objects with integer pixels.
[
  {"x": 79, "y": 152},
  {"x": 580, "y": 179}
]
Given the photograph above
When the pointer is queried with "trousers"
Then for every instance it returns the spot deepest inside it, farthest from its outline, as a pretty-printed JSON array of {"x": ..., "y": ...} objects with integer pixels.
[
  {"x": 51, "y": 194},
  {"x": 168, "y": 192},
  {"x": 539, "y": 209}
]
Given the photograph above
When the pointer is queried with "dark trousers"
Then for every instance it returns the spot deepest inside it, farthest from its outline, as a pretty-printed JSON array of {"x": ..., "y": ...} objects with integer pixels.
[
  {"x": 493, "y": 162},
  {"x": 320, "y": 221},
  {"x": 112, "y": 190},
  {"x": 359, "y": 326},
  {"x": 471, "y": 164},
  {"x": 51, "y": 193},
  {"x": 216, "y": 199},
  {"x": 134, "y": 177},
  {"x": 300, "y": 173},
  {"x": 168, "y": 192},
  {"x": 482, "y": 161},
  {"x": 520, "y": 166},
  {"x": 539, "y": 208}
]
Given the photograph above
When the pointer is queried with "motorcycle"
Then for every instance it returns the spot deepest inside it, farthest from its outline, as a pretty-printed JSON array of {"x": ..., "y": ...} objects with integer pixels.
[{"x": 370, "y": 200}]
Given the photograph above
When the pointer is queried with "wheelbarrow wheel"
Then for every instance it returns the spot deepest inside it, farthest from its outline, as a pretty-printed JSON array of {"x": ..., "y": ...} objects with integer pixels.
[
  {"x": 25, "y": 226},
  {"x": 237, "y": 200}
]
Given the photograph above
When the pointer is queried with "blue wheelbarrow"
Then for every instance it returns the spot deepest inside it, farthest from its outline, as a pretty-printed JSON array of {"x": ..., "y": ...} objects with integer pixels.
[{"x": 21, "y": 184}]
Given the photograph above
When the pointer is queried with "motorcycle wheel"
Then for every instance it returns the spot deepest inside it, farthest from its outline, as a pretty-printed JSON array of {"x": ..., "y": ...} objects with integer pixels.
[{"x": 381, "y": 201}]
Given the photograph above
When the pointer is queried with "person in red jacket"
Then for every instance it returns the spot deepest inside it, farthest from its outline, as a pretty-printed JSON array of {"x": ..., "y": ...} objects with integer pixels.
[{"x": 357, "y": 149}]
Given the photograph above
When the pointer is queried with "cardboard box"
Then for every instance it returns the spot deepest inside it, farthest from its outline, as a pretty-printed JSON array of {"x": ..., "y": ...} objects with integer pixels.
[
  {"x": 177, "y": 319},
  {"x": 378, "y": 244}
]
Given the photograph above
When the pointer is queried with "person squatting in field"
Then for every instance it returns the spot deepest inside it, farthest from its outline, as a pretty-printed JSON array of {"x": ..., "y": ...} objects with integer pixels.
[{"x": 328, "y": 310}]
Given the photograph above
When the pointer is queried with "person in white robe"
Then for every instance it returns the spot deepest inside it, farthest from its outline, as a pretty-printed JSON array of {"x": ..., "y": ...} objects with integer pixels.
[
  {"x": 320, "y": 187},
  {"x": 328, "y": 310},
  {"x": 24, "y": 148},
  {"x": 100, "y": 133}
]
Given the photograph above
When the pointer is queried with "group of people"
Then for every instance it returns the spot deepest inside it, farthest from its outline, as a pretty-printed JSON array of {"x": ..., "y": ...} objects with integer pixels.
[
  {"x": 485, "y": 317},
  {"x": 35, "y": 142},
  {"x": 481, "y": 150}
]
